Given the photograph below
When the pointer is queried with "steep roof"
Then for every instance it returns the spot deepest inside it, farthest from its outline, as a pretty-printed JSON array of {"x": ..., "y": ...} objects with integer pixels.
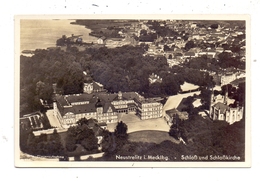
[
  {"x": 79, "y": 98},
  {"x": 64, "y": 102},
  {"x": 79, "y": 109},
  {"x": 97, "y": 86},
  {"x": 107, "y": 106},
  {"x": 61, "y": 101},
  {"x": 171, "y": 112},
  {"x": 102, "y": 37}
]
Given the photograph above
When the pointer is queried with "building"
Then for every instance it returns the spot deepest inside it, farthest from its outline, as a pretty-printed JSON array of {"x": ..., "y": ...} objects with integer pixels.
[
  {"x": 173, "y": 116},
  {"x": 101, "y": 40},
  {"x": 154, "y": 78},
  {"x": 149, "y": 109},
  {"x": 91, "y": 86},
  {"x": 31, "y": 121},
  {"x": 103, "y": 107},
  {"x": 208, "y": 53},
  {"x": 221, "y": 109},
  {"x": 227, "y": 78}
]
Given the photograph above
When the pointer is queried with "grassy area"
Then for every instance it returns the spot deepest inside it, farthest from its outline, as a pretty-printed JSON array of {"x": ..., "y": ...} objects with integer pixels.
[{"x": 151, "y": 136}]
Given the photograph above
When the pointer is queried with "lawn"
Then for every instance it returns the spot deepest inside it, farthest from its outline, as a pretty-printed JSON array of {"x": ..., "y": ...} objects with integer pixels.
[
  {"x": 134, "y": 123},
  {"x": 151, "y": 136}
]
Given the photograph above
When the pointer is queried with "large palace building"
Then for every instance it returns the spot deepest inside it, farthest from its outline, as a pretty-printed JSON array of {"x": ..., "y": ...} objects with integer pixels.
[{"x": 104, "y": 107}]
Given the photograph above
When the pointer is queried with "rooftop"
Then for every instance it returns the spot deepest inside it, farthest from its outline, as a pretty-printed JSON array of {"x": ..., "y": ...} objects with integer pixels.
[{"x": 221, "y": 107}]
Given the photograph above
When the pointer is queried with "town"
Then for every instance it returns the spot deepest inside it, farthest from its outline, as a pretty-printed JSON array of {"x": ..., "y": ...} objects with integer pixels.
[{"x": 142, "y": 84}]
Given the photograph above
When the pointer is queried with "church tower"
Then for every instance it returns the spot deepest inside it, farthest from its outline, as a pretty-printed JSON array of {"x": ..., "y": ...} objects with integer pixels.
[
  {"x": 120, "y": 95},
  {"x": 88, "y": 84},
  {"x": 99, "y": 107}
]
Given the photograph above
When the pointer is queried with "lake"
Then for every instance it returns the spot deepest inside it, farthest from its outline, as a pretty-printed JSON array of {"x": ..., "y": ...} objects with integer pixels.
[{"x": 43, "y": 33}]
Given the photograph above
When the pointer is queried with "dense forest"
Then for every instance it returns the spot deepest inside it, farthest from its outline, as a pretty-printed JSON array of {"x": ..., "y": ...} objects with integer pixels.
[{"x": 119, "y": 69}]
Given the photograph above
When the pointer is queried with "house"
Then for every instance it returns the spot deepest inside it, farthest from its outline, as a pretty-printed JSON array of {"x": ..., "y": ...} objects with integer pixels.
[
  {"x": 101, "y": 40},
  {"x": 75, "y": 38}
]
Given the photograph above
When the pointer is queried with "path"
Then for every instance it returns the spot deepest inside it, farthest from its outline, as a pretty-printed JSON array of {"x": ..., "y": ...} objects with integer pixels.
[
  {"x": 53, "y": 120},
  {"x": 174, "y": 101}
]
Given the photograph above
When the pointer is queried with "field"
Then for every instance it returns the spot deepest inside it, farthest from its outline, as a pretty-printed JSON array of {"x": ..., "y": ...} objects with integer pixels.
[{"x": 151, "y": 136}]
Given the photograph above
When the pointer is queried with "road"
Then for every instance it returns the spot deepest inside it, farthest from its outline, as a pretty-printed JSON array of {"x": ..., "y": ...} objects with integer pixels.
[{"x": 174, "y": 101}]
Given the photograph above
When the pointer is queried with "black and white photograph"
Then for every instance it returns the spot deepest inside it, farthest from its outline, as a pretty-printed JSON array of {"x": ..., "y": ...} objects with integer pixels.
[{"x": 132, "y": 91}]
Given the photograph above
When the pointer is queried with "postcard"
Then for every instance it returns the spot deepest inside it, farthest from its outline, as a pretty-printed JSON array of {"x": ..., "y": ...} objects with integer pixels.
[{"x": 132, "y": 91}]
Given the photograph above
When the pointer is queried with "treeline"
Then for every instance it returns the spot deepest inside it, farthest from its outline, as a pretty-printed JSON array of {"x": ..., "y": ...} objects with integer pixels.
[{"x": 39, "y": 72}]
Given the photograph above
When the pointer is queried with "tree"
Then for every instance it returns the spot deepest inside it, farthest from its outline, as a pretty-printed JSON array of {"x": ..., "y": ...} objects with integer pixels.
[
  {"x": 189, "y": 45},
  {"x": 73, "y": 81},
  {"x": 143, "y": 32},
  {"x": 121, "y": 130},
  {"x": 70, "y": 140},
  {"x": 205, "y": 98},
  {"x": 90, "y": 142},
  {"x": 55, "y": 146},
  {"x": 108, "y": 142},
  {"x": 214, "y": 26},
  {"x": 83, "y": 135},
  {"x": 177, "y": 132}
]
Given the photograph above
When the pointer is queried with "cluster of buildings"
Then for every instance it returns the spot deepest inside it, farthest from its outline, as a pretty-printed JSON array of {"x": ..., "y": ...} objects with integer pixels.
[
  {"x": 104, "y": 107},
  {"x": 228, "y": 76},
  {"x": 190, "y": 31}
]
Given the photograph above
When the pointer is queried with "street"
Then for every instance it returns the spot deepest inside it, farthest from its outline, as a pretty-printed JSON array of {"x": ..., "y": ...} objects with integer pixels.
[{"x": 174, "y": 101}]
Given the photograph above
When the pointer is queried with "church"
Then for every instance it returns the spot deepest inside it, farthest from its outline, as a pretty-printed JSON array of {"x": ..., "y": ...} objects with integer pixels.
[
  {"x": 96, "y": 103},
  {"x": 221, "y": 109}
]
